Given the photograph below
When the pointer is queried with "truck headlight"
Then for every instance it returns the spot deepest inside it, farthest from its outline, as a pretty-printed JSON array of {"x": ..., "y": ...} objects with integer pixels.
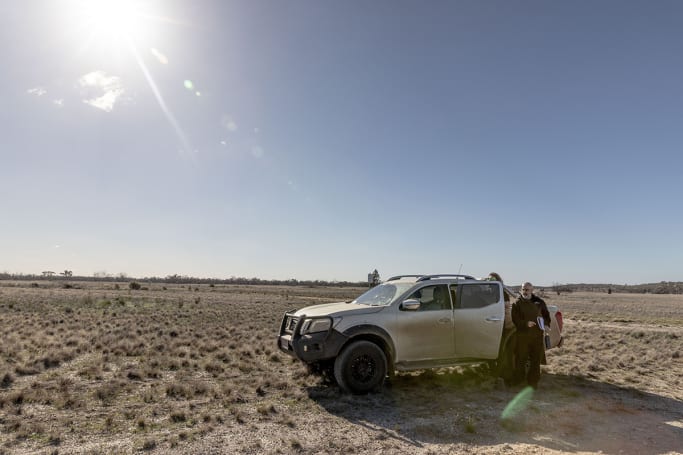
[{"x": 316, "y": 325}]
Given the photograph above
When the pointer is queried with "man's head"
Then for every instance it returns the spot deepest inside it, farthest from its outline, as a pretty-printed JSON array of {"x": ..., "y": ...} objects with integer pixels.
[{"x": 527, "y": 290}]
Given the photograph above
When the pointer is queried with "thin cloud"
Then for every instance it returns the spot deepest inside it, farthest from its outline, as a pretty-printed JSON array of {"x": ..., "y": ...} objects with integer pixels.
[
  {"x": 37, "y": 91},
  {"x": 59, "y": 102},
  {"x": 101, "y": 90}
]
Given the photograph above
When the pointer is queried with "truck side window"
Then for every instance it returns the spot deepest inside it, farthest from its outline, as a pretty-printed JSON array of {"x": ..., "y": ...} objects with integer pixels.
[
  {"x": 432, "y": 298},
  {"x": 479, "y": 295}
]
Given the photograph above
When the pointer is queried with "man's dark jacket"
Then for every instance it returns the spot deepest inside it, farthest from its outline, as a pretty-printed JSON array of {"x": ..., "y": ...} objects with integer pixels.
[{"x": 525, "y": 310}]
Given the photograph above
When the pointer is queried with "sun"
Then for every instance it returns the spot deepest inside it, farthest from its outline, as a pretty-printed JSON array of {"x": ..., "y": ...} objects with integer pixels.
[
  {"x": 112, "y": 18},
  {"x": 110, "y": 23}
]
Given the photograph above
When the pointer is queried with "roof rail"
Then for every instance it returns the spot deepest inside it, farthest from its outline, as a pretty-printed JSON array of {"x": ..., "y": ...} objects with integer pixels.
[
  {"x": 445, "y": 275},
  {"x": 398, "y": 277}
]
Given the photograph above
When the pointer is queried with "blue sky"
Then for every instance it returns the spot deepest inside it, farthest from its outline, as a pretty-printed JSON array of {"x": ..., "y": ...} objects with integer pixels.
[{"x": 321, "y": 139}]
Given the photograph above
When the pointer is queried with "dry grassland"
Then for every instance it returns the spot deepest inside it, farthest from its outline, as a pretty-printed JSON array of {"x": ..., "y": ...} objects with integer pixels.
[{"x": 195, "y": 369}]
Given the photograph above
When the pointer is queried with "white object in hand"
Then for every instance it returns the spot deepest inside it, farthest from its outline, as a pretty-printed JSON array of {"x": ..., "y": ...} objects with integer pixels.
[{"x": 541, "y": 323}]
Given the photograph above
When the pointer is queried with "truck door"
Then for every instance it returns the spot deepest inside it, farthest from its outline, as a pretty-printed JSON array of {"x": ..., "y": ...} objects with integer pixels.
[
  {"x": 427, "y": 333},
  {"x": 478, "y": 318}
]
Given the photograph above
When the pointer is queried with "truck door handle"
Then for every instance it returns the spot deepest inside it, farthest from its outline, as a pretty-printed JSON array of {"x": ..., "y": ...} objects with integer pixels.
[
  {"x": 494, "y": 319},
  {"x": 444, "y": 320}
]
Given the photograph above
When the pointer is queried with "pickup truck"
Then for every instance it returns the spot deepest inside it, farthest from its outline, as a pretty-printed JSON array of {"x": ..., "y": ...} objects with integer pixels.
[{"x": 408, "y": 322}]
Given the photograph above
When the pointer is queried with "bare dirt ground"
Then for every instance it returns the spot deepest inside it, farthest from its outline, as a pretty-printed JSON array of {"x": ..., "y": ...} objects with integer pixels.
[{"x": 195, "y": 369}]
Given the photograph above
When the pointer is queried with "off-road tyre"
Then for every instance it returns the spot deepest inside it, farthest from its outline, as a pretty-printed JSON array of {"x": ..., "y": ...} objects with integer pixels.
[{"x": 361, "y": 368}]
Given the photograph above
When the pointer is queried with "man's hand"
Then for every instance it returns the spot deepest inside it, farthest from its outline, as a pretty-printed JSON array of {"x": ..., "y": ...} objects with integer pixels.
[{"x": 530, "y": 324}]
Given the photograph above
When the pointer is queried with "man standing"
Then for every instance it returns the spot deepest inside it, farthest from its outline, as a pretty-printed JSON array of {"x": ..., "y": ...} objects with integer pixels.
[{"x": 526, "y": 312}]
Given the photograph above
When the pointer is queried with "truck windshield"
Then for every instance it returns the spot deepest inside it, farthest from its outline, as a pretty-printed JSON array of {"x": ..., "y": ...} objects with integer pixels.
[{"x": 383, "y": 294}]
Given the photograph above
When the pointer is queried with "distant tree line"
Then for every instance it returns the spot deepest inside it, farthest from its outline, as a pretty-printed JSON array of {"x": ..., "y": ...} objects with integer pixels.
[
  {"x": 183, "y": 279},
  {"x": 663, "y": 287}
]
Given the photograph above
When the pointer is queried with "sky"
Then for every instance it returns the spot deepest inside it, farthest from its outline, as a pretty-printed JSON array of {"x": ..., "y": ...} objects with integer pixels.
[{"x": 324, "y": 139}]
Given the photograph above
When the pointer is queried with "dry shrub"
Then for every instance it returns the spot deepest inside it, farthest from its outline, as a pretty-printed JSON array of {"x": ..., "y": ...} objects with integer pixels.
[
  {"x": 149, "y": 444},
  {"x": 214, "y": 368},
  {"x": 178, "y": 416},
  {"x": 240, "y": 417},
  {"x": 27, "y": 370},
  {"x": 296, "y": 444},
  {"x": 266, "y": 409},
  {"x": 108, "y": 392},
  {"x": 92, "y": 371},
  {"x": 178, "y": 391},
  {"x": 135, "y": 375},
  {"x": 275, "y": 357},
  {"x": 6, "y": 381}
]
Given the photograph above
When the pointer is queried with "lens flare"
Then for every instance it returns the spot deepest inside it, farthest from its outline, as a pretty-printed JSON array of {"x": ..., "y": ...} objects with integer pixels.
[{"x": 518, "y": 403}]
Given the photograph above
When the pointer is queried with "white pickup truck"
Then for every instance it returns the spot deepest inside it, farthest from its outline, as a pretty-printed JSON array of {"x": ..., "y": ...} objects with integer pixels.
[{"x": 408, "y": 322}]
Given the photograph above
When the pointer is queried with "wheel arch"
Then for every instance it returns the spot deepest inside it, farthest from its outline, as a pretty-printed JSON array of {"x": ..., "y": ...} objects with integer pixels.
[{"x": 376, "y": 335}]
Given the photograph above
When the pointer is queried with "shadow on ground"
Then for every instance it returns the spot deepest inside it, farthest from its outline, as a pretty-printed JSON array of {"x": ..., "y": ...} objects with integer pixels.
[{"x": 568, "y": 414}]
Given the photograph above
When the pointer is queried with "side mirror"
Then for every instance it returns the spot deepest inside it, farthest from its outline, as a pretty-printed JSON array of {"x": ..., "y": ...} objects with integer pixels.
[{"x": 410, "y": 305}]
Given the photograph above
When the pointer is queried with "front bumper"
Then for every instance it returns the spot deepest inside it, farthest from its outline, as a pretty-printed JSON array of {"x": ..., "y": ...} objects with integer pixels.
[{"x": 311, "y": 347}]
